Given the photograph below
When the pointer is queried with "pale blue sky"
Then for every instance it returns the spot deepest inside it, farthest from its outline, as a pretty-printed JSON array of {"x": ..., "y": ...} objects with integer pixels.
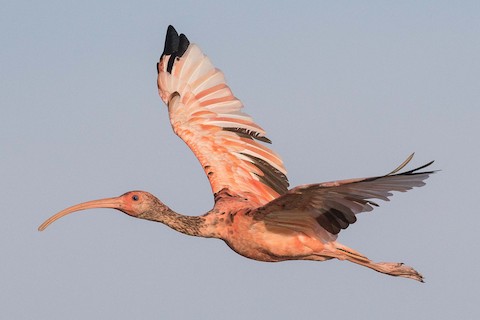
[{"x": 344, "y": 89}]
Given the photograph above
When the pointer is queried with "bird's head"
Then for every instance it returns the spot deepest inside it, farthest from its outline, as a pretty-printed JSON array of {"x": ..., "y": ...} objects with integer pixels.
[{"x": 138, "y": 204}]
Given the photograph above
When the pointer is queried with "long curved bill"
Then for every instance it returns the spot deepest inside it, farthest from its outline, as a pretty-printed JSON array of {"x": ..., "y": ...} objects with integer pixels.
[{"x": 115, "y": 203}]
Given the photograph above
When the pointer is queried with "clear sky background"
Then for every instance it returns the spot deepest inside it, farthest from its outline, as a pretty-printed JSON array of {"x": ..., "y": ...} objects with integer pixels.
[{"x": 344, "y": 89}]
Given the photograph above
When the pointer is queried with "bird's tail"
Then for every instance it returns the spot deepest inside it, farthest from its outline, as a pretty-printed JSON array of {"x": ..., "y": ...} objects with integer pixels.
[{"x": 391, "y": 268}]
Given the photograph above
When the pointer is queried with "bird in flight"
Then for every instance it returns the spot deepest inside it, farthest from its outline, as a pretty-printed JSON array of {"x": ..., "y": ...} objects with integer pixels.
[{"x": 255, "y": 212}]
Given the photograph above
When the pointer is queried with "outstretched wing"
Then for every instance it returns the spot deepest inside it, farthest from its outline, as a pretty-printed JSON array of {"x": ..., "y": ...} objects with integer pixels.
[
  {"x": 327, "y": 208},
  {"x": 207, "y": 116}
]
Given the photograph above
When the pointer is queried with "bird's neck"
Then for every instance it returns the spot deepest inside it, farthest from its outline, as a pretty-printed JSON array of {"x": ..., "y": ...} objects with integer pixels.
[{"x": 189, "y": 225}]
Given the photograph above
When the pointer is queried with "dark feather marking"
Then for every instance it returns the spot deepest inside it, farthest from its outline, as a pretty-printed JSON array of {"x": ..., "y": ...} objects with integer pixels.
[
  {"x": 183, "y": 45},
  {"x": 207, "y": 167},
  {"x": 171, "y": 41},
  {"x": 271, "y": 176},
  {"x": 175, "y": 46},
  {"x": 340, "y": 216},
  {"x": 327, "y": 221},
  {"x": 245, "y": 133},
  {"x": 223, "y": 193},
  {"x": 334, "y": 220},
  {"x": 412, "y": 172},
  {"x": 346, "y": 213},
  {"x": 171, "y": 60}
]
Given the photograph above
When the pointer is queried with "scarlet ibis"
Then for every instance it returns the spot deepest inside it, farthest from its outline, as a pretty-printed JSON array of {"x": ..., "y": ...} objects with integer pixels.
[{"x": 254, "y": 213}]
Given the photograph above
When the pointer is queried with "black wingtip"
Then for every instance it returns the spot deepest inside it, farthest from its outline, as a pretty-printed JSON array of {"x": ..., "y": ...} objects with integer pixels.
[
  {"x": 172, "y": 41},
  {"x": 175, "y": 46},
  {"x": 183, "y": 45},
  {"x": 414, "y": 171},
  {"x": 175, "y": 43}
]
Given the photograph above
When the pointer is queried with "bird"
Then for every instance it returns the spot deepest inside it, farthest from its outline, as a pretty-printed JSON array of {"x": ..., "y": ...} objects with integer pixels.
[{"x": 254, "y": 213}]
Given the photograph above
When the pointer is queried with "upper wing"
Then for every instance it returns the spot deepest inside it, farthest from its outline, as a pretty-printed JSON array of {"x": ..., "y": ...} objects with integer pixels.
[
  {"x": 332, "y": 206},
  {"x": 206, "y": 115}
]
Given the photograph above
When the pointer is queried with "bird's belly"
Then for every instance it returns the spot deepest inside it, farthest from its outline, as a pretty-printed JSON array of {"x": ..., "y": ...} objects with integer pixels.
[{"x": 272, "y": 246}]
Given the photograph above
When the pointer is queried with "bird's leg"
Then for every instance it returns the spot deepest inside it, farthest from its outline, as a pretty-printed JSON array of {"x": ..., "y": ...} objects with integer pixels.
[
  {"x": 396, "y": 269},
  {"x": 391, "y": 268}
]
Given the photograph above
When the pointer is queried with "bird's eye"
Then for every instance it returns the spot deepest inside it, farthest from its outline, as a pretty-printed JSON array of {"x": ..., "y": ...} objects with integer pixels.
[{"x": 135, "y": 198}]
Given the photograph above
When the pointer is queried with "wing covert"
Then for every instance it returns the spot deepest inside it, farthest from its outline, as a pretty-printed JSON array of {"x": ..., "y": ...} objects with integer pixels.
[{"x": 206, "y": 115}]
